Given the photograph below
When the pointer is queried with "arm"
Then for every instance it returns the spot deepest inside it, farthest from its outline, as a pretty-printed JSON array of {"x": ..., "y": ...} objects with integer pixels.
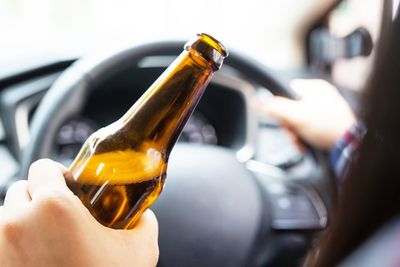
[{"x": 321, "y": 117}]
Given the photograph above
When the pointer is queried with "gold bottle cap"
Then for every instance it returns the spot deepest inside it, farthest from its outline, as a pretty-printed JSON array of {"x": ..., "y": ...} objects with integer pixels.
[{"x": 209, "y": 48}]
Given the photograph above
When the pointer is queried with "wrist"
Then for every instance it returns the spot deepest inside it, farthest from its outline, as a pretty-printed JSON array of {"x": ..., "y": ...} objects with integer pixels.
[{"x": 344, "y": 149}]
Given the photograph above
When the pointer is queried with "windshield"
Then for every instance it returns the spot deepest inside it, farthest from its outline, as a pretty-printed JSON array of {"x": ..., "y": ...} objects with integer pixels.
[{"x": 45, "y": 30}]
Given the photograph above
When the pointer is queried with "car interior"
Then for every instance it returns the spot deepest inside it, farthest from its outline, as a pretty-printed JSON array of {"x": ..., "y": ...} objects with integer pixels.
[{"x": 239, "y": 191}]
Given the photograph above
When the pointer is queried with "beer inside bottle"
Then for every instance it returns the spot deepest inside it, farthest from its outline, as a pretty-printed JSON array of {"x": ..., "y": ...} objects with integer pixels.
[{"x": 121, "y": 168}]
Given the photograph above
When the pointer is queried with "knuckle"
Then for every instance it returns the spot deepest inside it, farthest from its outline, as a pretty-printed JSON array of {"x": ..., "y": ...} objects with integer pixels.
[
  {"x": 53, "y": 202},
  {"x": 10, "y": 230},
  {"x": 39, "y": 164},
  {"x": 18, "y": 184},
  {"x": 53, "y": 211}
]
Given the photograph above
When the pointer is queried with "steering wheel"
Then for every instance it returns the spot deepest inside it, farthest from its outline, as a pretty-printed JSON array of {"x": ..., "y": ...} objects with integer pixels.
[{"x": 213, "y": 212}]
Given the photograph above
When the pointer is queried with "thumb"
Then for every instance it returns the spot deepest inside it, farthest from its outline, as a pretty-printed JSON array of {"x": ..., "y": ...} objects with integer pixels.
[
  {"x": 147, "y": 225},
  {"x": 143, "y": 238}
]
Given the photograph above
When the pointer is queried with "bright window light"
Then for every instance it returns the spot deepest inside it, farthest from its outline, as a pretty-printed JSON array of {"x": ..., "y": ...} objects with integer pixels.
[{"x": 49, "y": 29}]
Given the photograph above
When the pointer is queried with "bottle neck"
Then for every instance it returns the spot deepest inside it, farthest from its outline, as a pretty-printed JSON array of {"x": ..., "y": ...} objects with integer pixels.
[{"x": 159, "y": 116}]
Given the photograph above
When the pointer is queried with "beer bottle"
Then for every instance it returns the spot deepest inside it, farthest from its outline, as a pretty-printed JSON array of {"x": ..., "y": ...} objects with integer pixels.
[{"x": 121, "y": 168}]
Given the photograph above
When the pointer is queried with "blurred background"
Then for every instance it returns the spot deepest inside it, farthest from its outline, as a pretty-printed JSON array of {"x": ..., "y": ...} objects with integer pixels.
[
  {"x": 262, "y": 28},
  {"x": 272, "y": 31}
]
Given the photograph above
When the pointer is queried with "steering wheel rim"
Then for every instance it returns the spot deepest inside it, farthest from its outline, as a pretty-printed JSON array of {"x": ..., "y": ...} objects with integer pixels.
[{"x": 67, "y": 97}]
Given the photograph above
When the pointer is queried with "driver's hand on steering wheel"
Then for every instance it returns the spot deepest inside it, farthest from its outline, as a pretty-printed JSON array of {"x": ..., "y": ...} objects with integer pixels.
[
  {"x": 320, "y": 117},
  {"x": 42, "y": 223}
]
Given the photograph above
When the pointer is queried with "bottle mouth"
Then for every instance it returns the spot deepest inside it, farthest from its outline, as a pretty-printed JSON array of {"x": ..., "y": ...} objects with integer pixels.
[{"x": 209, "y": 48}]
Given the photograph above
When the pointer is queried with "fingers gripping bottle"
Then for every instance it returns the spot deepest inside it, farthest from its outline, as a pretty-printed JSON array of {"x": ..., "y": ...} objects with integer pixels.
[{"x": 121, "y": 169}]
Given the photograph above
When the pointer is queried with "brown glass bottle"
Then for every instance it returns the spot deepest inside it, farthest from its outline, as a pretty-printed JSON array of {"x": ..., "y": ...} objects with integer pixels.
[{"x": 121, "y": 169}]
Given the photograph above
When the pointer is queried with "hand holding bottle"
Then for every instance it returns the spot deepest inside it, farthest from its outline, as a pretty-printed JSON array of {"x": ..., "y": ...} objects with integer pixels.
[{"x": 42, "y": 223}]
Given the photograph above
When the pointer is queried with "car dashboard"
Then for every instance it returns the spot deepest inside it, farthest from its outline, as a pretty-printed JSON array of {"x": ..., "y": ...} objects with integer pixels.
[{"x": 223, "y": 118}]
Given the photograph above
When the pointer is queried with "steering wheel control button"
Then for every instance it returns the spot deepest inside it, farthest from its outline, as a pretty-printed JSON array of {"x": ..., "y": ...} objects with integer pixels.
[
  {"x": 294, "y": 210},
  {"x": 293, "y": 206}
]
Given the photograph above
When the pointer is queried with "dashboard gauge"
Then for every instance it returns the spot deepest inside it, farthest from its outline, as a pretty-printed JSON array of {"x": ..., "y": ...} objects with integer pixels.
[
  {"x": 72, "y": 135},
  {"x": 199, "y": 130}
]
